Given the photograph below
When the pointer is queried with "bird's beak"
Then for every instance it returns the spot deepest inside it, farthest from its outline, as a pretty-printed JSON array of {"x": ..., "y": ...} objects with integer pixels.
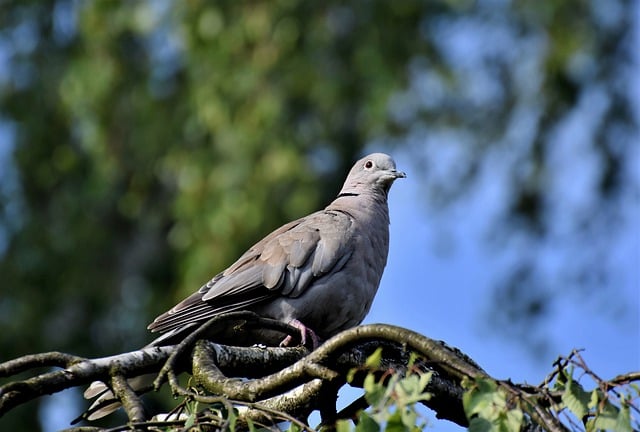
[{"x": 398, "y": 174}]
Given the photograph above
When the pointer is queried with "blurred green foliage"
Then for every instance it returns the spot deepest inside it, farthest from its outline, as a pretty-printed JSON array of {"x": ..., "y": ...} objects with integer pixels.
[{"x": 146, "y": 144}]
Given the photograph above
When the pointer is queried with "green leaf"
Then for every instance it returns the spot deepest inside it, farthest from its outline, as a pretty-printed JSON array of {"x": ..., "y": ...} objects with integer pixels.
[
  {"x": 343, "y": 425},
  {"x": 293, "y": 428},
  {"x": 607, "y": 419},
  {"x": 482, "y": 398},
  {"x": 424, "y": 380},
  {"x": 412, "y": 359},
  {"x": 479, "y": 424},
  {"x": 576, "y": 398},
  {"x": 594, "y": 399},
  {"x": 191, "y": 420},
  {"x": 408, "y": 387},
  {"x": 486, "y": 406},
  {"x": 375, "y": 359},
  {"x": 513, "y": 420},
  {"x": 250, "y": 425},
  {"x": 409, "y": 417},
  {"x": 373, "y": 391},
  {"x": 561, "y": 380},
  {"x": 605, "y": 422},
  {"x": 366, "y": 423},
  {"x": 623, "y": 421},
  {"x": 351, "y": 374},
  {"x": 409, "y": 390},
  {"x": 395, "y": 423}
]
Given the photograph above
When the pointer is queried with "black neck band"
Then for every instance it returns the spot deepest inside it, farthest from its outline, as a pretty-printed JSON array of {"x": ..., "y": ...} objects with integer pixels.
[{"x": 347, "y": 194}]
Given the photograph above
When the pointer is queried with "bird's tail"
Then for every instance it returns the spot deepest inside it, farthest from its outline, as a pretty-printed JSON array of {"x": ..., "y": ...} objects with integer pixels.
[{"x": 106, "y": 402}]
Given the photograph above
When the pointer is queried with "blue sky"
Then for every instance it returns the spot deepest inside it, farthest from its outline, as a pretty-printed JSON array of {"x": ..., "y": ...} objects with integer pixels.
[{"x": 446, "y": 297}]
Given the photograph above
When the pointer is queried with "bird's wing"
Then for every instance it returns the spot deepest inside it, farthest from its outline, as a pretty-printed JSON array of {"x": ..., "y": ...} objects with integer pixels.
[{"x": 285, "y": 263}]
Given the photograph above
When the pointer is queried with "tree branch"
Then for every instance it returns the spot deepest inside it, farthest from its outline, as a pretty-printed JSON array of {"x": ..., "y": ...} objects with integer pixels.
[
  {"x": 272, "y": 384},
  {"x": 77, "y": 371}
]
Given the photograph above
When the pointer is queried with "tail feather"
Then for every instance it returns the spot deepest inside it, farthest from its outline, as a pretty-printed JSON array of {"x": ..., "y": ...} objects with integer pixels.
[
  {"x": 101, "y": 406},
  {"x": 106, "y": 402},
  {"x": 95, "y": 389}
]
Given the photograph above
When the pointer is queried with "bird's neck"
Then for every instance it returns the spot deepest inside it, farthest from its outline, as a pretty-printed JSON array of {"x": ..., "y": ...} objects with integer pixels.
[
  {"x": 377, "y": 192},
  {"x": 366, "y": 205},
  {"x": 347, "y": 194}
]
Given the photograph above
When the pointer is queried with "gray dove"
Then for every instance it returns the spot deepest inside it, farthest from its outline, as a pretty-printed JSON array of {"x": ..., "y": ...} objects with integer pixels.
[{"x": 319, "y": 273}]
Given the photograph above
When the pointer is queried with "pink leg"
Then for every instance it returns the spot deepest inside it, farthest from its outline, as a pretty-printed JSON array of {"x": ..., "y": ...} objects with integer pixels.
[{"x": 303, "y": 335}]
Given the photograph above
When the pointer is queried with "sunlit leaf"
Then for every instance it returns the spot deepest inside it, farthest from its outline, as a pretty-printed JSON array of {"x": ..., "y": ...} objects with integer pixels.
[
  {"x": 250, "y": 425},
  {"x": 232, "y": 418},
  {"x": 424, "y": 379},
  {"x": 293, "y": 427},
  {"x": 351, "y": 374},
  {"x": 481, "y": 398},
  {"x": 594, "y": 399},
  {"x": 409, "y": 416},
  {"x": 374, "y": 391},
  {"x": 366, "y": 423},
  {"x": 576, "y": 398},
  {"x": 343, "y": 425},
  {"x": 191, "y": 419},
  {"x": 513, "y": 420},
  {"x": 395, "y": 423},
  {"x": 605, "y": 422},
  {"x": 479, "y": 424},
  {"x": 623, "y": 421},
  {"x": 408, "y": 386},
  {"x": 412, "y": 359},
  {"x": 375, "y": 359}
]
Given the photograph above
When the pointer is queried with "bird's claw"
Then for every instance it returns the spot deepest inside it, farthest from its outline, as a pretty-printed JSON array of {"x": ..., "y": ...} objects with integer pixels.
[{"x": 315, "y": 341}]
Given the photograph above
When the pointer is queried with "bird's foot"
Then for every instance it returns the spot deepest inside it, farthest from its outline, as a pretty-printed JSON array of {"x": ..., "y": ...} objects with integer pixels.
[{"x": 315, "y": 341}]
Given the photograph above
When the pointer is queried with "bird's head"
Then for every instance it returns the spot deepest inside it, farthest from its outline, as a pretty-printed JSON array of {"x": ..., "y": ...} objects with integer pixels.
[{"x": 372, "y": 173}]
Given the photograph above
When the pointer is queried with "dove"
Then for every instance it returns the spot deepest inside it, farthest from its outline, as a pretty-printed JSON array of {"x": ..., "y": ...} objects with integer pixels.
[{"x": 319, "y": 273}]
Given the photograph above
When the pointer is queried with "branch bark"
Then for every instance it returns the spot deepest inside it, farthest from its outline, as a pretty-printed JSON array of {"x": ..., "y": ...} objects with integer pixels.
[{"x": 271, "y": 383}]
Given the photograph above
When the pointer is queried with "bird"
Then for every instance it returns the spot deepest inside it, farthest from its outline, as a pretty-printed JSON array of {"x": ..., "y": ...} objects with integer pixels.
[{"x": 319, "y": 273}]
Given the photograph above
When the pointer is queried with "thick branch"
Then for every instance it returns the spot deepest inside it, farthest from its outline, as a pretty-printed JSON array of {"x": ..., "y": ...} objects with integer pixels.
[
  {"x": 32, "y": 361},
  {"x": 78, "y": 372},
  {"x": 276, "y": 383},
  {"x": 331, "y": 362}
]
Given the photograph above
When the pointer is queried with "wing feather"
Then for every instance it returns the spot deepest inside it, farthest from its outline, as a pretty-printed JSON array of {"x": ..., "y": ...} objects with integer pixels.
[{"x": 286, "y": 263}]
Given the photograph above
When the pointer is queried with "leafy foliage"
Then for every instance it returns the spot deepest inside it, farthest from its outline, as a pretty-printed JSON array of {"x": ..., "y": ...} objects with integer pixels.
[
  {"x": 487, "y": 407},
  {"x": 392, "y": 398},
  {"x": 606, "y": 407},
  {"x": 490, "y": 406}
]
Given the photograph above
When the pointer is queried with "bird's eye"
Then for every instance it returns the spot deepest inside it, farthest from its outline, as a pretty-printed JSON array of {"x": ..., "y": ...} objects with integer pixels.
[{"x": 368, "y": 164}]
